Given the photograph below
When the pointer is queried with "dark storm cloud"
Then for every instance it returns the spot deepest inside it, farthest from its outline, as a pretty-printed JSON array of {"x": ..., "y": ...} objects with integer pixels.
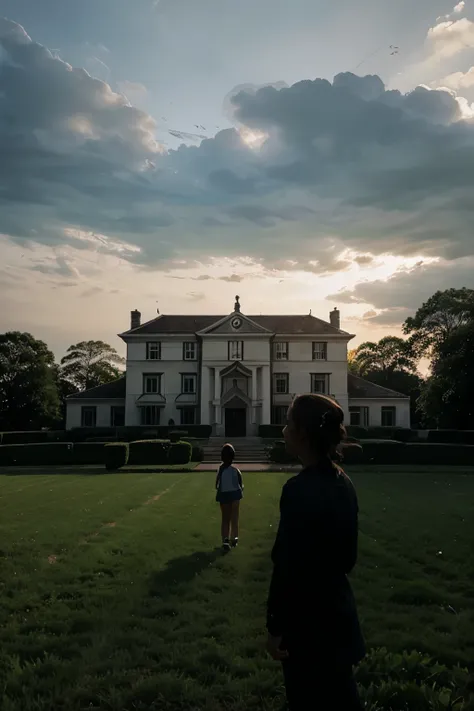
[{"x": 347, "y": 161}]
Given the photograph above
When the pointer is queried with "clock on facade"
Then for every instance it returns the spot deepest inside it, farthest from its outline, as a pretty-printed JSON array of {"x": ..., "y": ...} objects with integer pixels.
[{"x": 236, "y": 323}]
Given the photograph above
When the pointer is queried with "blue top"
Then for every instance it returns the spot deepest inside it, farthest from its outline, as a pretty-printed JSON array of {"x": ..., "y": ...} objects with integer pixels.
[{"x": 229, "y": 480}]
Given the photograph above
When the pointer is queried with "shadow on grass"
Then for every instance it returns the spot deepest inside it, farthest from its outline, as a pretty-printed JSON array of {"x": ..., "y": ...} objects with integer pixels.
[{"x": 182, "y": 570}]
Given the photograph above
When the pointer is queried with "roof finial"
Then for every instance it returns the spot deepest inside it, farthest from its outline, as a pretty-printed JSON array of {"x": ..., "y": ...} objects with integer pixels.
[{"x": 237, "y": 304}]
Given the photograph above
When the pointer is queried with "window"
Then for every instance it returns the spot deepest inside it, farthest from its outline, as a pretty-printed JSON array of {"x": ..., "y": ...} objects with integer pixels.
[
  {"x": 320, "y": 351},
  {"x": 389, "y": 416},
  {"x": 188, "y": 415},
  {"x": 281, "y": 351},
  {"x": 88, "y": 416},
  {"x": 117, "y": 416},
  {"x": 152, "y": 383},
  {"x": 153, "y": 350},
  {"x": 281, "y": 383},
  {"x": 279, "y": 415},
  {"x": 189, "y": 350},
  {"x": 236, "y": 350},
  {"x": 320, "y": 383},
  {"x": 359, "y": 416},
  {"x": 188, "y": 383},
  {"x": 150, "y": 415}
]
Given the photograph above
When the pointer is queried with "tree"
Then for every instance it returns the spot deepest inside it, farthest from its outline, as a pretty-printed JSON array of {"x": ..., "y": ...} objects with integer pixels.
[
  {"x": 438, "y": 318},
  {"x": 389, "y": 355},
  {"x": 90, "y": 363},
  {"x": 447, "y": 397},
  {"x": 28, "y": 392},
  {"x": 390, "y": 363}
]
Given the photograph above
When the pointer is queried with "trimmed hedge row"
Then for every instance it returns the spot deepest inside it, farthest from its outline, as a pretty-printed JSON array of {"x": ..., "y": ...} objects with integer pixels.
[
  {"x": 33, "y": 437},
  {"x": 160, "y": 452},
  {"x": 352, "y": 453},
  {"x": 116, "y": 455},
  {"x": 133, "y": 434},
  {"x": 391, "y": 452},
  {"x": 400, "y": 434},
  {"x": 451, "y": 436},
  {"x": 53, "y": 453}
]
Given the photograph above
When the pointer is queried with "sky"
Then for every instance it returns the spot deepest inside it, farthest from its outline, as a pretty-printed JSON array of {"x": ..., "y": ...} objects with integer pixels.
[{"x": 167, "y": 155}]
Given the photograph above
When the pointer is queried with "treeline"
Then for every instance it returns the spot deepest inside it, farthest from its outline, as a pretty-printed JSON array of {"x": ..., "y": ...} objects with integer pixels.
[
  {"x": 33, "y": 387},
  {"x": 442, "y": 331}
]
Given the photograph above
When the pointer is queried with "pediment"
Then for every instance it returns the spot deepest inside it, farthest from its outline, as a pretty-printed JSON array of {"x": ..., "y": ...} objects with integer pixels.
[
  {"x": 235, "y": 369},
  {"x": 236, "y": 324},
  {"x": 236, "y": 399}
]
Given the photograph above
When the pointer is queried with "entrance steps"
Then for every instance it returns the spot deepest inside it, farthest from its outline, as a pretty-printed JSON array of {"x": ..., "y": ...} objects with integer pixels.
[{"x": 247, "y": 449}]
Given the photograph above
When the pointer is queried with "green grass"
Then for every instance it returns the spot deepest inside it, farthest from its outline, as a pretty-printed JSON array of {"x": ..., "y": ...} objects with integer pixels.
[{"x": 113, "y": 595}]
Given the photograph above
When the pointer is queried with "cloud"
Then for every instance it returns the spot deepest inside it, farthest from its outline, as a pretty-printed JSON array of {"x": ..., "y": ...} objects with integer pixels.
[
  {"x": 346, "y": 164},
  {"x": 450, "y": 37},
  {"x": 398, "y": 297},
  {"x": 58, "y": 266},
  {"x": 196, "y": 295},
  {"x": 459, "y": 7},
  {"x": 208, "y": 277},
  {"x": 457, "y": 81},
  {"x": 92, "y": 291},
  {"x": 132, "y": 88}
]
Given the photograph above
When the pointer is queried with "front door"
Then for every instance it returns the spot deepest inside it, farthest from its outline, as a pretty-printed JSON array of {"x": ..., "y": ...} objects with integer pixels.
[{"x": 235, "y": 422}]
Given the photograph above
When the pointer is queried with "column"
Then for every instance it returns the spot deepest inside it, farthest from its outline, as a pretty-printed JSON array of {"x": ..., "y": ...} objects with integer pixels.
[
  {"x": 205, "y": 395},
  {"x": 217, "y": 401},
  {"x": 254, "y": 370},
  {"x": 217, "y": 384},
  {"x": 266, "y": 414},
  {"x": 254, "y": 383}
]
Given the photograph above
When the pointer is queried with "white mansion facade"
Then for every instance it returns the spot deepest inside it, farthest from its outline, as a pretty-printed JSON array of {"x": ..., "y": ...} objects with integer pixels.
[{"x": 233, "y": 372}]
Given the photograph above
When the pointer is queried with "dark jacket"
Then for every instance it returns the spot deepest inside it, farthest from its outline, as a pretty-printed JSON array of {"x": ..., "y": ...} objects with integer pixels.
[{"x": 310, "y": 600}]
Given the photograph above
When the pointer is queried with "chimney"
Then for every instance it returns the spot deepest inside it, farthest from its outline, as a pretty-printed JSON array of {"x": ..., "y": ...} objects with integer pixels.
[
  {"x": 335, "y": 318},
  {"x": 135, "y": 318}
]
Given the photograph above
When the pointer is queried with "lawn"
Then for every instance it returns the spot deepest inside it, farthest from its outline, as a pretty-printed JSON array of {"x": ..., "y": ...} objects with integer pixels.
[{"x": 113, "y": 595}]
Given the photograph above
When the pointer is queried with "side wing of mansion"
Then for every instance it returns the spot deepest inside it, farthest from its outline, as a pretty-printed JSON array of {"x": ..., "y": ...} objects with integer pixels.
[{"x": 233, "y": 372}]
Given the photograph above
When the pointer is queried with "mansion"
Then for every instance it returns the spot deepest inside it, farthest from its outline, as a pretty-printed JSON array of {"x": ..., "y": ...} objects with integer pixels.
[{"x": 233, "y": 372}]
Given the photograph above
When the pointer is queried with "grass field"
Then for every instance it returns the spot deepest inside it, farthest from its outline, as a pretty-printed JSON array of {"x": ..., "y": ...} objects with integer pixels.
[{"x": 113, "y": 595}]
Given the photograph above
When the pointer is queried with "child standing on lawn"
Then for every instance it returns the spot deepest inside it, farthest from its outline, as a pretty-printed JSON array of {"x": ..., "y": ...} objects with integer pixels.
[{"x": 229, "y": 494}]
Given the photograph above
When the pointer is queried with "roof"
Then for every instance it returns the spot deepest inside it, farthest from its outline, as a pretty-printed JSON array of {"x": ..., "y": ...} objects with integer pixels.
[
  {"x": 290, "y": 324},
  {"x": 359, "y": 389},
  {"x": 109, "y": 391}
]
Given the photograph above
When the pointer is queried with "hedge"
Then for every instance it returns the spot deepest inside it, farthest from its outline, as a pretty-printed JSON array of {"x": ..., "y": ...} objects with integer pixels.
[
  {"x": 270, "y": 431},
  {"x": 277, "y": 453},
  {"x": 451, "y": 436},
  {"x": 382, "y": 451},
  {"x": 81, "y": 434},
  {"x": 197, "y": 454},
  {"x": 88, "y": 453},
  {"x": 136, "y": 433},
  {"x": 115, "y": 455},
  {"x": 357, "y": 432},
  {"x": 179, "y": 453},
  {"x": 38, "y": 454},
  {"x": 33, "y": 437},
  {"x": 401, "y": 434},
  {"x": 149, "y": 451},
  {"x": 176, "y": 435},
  {"x": 352, "y": 454},
  {"x": 443, "y": 454}
]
